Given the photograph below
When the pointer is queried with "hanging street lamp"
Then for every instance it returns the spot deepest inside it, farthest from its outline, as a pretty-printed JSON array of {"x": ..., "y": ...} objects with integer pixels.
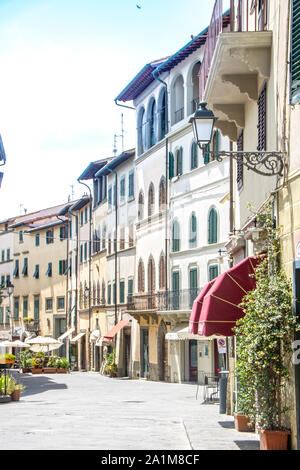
[{"x": 263, "y": 163}]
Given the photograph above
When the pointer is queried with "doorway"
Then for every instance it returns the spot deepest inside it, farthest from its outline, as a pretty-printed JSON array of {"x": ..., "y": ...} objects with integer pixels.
[
  {"x": 144, "y": 352},
  {"x": 127, "y": 341},
  {"x": 162, "y": 352},
  {"x": 193, "y": 360}
]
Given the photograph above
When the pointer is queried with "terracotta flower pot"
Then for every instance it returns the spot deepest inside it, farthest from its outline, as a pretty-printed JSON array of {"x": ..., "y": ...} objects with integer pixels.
[
  {"x": 26, "y": 370},
  {"x": 49, "y": 370},
  {"x": 36, "y": 371},
  {"x": 241, "y": 423},
  {"x": 274, "y": 440},
  {"x": 61, "y": 371},
  {"x": 15, "y": 396}
]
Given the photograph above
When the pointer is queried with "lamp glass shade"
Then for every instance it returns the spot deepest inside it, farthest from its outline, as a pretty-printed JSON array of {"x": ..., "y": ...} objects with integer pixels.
[{"x": 203, "y": 129}]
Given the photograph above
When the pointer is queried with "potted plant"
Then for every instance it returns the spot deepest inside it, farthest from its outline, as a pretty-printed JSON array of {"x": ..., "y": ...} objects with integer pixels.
[
  {"x": 264, "y": 342},
  {"x": 110, "y": 364},
  {"x": 7, "y": 385},
  {"x": 37, "y": 363},
  {"x": 25, "y": 357},
  {"x": 6, "y": 360},
  {"x": 62, "y": 365},
  {"x": 51, "y": 365},
  {"x": 15, "y": 395},
  {"x": 241, "y": 419}
]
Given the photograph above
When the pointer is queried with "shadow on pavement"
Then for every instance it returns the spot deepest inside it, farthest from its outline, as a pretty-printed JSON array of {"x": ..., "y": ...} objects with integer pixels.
[
  {"x": 248, "y": 445},
  {"x": 226, "y": 424},
  {"x": 38, "y": 384}
]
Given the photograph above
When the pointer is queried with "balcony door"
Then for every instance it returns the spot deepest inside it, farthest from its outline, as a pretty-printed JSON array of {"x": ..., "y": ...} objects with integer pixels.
[
  {"x": 193, "y": 360},
  {"x": 175, "y": 290}
]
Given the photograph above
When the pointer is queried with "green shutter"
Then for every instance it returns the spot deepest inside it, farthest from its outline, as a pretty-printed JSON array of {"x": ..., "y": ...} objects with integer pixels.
[
  {"x": 295, "y": 53},
  {"x": 16, "y": 309},
  {"x": 36, "y": 308},
  {"x": 171, "y": 165},
  {"x": 213, "y": 272},
  {"x": 194, "y": 156},
  {"x": 212, "y": 226},
  {"x": 109, "y": 294},
  {"x": 130, "y": 287},
  {"x": 122, "y": 292},
  {"x": 180, "y": 161},
  {"x": 1, "y": 314},
  {"x": 206, "y": 154}
]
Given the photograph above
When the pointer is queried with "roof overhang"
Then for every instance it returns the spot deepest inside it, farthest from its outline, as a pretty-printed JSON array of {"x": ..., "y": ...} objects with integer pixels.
[{"x": 240, "y": 64}]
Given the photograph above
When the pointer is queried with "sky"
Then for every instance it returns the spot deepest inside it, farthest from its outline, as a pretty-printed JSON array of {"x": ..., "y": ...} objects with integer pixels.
[{"x": 62, "y": 63}]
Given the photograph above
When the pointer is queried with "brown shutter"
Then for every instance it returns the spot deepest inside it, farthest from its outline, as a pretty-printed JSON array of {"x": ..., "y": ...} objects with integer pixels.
[
  {"x": 240, "y": 166},
  {"x": 262, "y": 121}
]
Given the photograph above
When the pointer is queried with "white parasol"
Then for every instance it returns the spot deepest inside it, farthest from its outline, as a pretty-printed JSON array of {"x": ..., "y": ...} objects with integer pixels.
[{"x": 43, "y": 344}]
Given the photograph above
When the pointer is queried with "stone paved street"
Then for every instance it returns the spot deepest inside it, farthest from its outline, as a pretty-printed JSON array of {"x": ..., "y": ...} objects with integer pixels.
[{"x": 88, "y": 411}]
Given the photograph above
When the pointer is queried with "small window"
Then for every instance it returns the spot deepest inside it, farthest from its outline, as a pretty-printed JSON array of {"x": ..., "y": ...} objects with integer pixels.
[
  {"x": 36, "y": 310},
  {"x": 21, "y": 236},
  {"x": 212, "y": 226},
  {"x": 36, "y": 274},
  {"x": 37, "y": 239},
  {"x": 122, "y": 292},
  {"x": 62, "y": 267},
  {"x": 131, "y": 185},
  {"x": 141, "y": 206},
  {"x": 85, "y": 215},
  {"x": 16, "y": 270},
  {"x": 60, "y": 303},
  {"x": 109, "y": 197},
  {"x": 178, "y": 162},
  {"x": 109, "y": 294},
  {"x": 49, "y": 270},
  {"x": 25, "y": 267},
  {"x": 151, "y": 200},
  {"x": 122, "y": 189},
  {"x": 49, "y": 237},
  {"x": 8, "y": 254},
  {"x": 122, "y": 238},
  {"x": 49, "y": 305},
  {"x": 213, "y": 272},
  {"x": 16, "y": 308},
  {"x": 175, "y": 236},
  {"x": 193, "y": 231},
  {"x": 194, "y": 156},
  {"x": 25, "y": 307}
]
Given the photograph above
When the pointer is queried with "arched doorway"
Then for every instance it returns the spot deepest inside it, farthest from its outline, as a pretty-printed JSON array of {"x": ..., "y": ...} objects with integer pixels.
[{"x": 162, "y": 352}]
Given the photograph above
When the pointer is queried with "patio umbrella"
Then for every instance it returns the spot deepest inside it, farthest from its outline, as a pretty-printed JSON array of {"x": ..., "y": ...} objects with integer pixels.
[
  {"x": 18, "y": 344},
  {"x": 43, "y": 344}
]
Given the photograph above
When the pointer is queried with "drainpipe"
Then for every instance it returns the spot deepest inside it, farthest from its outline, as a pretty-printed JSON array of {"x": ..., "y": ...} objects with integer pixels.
[
  {"x": 76, "y": 273},
  {"x": 155, "y": 75},
  {"x": 90, "y": 259},
  {"x": 115, "y": 242},
  {"x": 123, "y": 105},
  {"x": 65, "y": 223}
]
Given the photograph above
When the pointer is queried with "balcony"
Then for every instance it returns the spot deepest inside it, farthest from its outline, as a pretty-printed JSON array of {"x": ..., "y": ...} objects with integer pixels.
[
  {"x": 176, "y": 304},
  {"x": 234, "y": 66}
]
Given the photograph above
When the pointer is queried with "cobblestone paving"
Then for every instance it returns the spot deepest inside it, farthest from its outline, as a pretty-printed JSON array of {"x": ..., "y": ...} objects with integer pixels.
[{"x": 84, "y": 410}]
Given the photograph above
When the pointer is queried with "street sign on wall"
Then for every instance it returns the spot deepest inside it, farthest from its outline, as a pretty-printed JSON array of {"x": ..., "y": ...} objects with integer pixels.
[{"x": 221, "y": 345}]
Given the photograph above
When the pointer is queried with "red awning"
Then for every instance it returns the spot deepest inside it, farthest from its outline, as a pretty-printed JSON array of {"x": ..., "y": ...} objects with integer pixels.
[
  {"x": 196, "y": 310},
  {"x": 111, "y": 333},
  {"x": 220, "y": 311}
]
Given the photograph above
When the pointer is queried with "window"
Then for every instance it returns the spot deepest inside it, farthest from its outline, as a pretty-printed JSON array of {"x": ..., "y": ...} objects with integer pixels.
[
  {"x": 7, "y": 280},
  {"x": 36, "y": 273},
  {"x": 81, "y": 253},
  {"x": 141, "y": 130},
  {"x": 36, "y": 308},
  {"x": 141, "y": 277},
  {"x": 85, "y": 215},
  {"x": 103, "y": 236},
  {"x": 193, "y": 231},
  {"x": 212, "y": 226},
  {"x": 2, "y": 281},
  {"x": 49, "y": 237},
  {"x": 295, "y": 53},
  {"x": 63, "y": 233},
  {"x": 60, "y": 303},
  {"x": 162, "y": 274},
  {"x": 37, "y": 239},
  {"x": 109, "y": 197},
  {"x": 175, "y": 236},
  {"x": 215, "y": 143},
  {"x": 162, "y": 114},
  {"x": 151, "y": 200},
  {"x": 81, "y": 218},
  {"x": 21, "y": 236},
  {"x": 122, "y": 238},
  {"x": 162, "y": 194},
  {"x": 239, "y": 164},
  {"x": 16, "y": 270},
  {"x": 70, "y": 229},
  {"x": 195, "y": 88},
  {"x": 213, "y": 272},
  {"x": 177, "y": 100},
  {"x": 171, "y": 165},
  {"x": 151, "y": 275},
  {"x": 49, "y": 270},
  {"x": 114, "y": 293},
  {"x": 262, "y": 121},
  {"x": 62, "y": 267},
  {"x": 8, "y": 254},
  {"x": 130, "y": 287},
  {"x": 152, "y": 123},
  {"x": 141, "y": 206},
  {"x": 193, "y": 280},
  {"x": 122, "y": 292},
  {"x": 131, "y": 241},
  {"x": 175, "y": 290},
  {"x": 25, "y": 267},
  {"x": 2, "y": 255},
  {"x": 85, "y": 251},
  {"x": 16, "y": 308},
  {"x": 109, "y": 294},
  {"x": 194, "y": 156},
  {"x": 49, "y": 304},
  {"x": 122, "y": 189},
  {"x": 109, "y": 244},
  {"x": 25, "y": 307},
  {"x": 178, "y": 162},
  {"x": 1, "y": 315},
  {"x": 131, "y": 185},
  {"x": 115, "y": 195}
]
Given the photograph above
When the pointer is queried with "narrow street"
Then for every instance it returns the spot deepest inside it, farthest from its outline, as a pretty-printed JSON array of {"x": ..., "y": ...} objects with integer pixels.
[{"x": 89, "y": 411}]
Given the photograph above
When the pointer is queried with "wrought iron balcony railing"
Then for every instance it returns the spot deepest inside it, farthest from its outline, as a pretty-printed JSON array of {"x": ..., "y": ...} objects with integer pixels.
[{"x": 177, "y": 300}]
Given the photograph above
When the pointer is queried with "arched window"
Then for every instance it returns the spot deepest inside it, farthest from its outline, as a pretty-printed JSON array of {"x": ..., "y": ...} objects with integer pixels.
[
  {"x": 152, "y": 123},
  {"x": 141, "y": 131},
  {"x": 194, "y": 156},
  {"x": 151, "y": 275},
  {"x": 141, "y": 206},
  {"x": 193, "y": 231},
  {"x": 162, "y": 276},
  {"x": 162, "y": 194},
  {"x": 141, "y": 277},
  {"x": 175, "y": 236},
  {"x": 162, "y": 114},
  {"x": 178, "y": 161},
  {"x": 151, "y": 200},
  {"x": 212, "y": 226},
  {"x": 195, "y": 87},
  {"x": 177, "y": 100}
]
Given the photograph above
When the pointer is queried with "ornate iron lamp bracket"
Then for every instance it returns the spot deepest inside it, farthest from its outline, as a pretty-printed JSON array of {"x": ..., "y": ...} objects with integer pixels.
[{"x": 263, "y": 163}]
